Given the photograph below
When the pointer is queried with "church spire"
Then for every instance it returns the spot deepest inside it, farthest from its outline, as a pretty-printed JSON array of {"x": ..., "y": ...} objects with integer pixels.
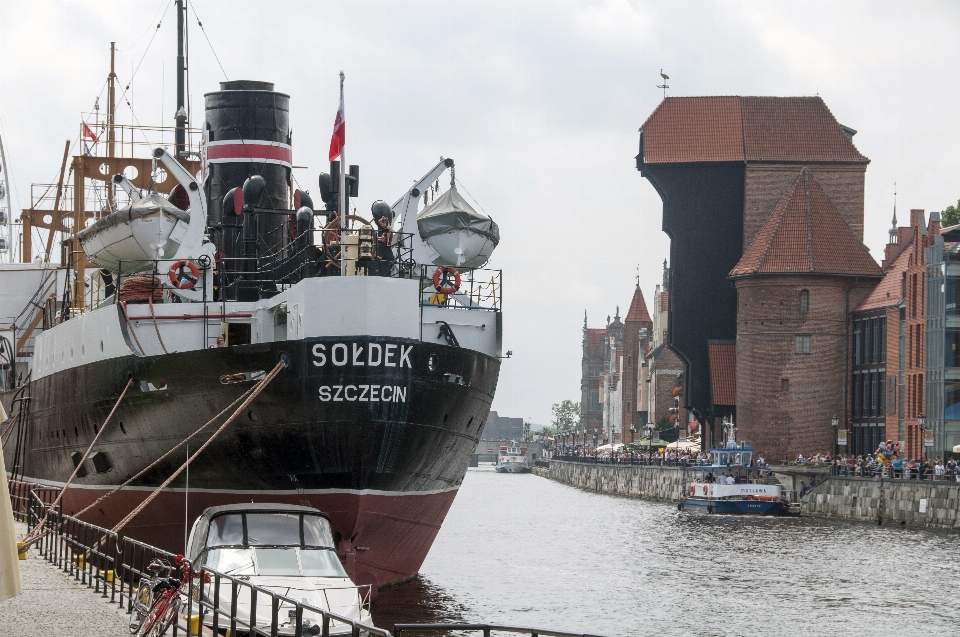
[{"x": 894, "y": 233}]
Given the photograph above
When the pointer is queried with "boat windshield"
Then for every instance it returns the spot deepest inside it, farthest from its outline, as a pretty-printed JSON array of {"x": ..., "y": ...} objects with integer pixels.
[
  {"x": 269, "y": 529},
  {"x": 291, "y": 561}
]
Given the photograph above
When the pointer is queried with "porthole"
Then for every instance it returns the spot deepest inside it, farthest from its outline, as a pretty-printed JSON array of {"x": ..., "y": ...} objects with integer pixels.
[{"x": 432, "y": 363}]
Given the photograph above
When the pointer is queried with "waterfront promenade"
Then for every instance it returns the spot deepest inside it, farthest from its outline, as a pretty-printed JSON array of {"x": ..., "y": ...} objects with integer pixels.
[
  {"x": 53, "y": 604},
  {"x": 929, "y": 503}
]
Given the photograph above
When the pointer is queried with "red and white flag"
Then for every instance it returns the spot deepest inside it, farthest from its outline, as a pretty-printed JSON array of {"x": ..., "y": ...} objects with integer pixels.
[
  {"x": 339, "y": 137},
  {"x": 88, "y": 132}
]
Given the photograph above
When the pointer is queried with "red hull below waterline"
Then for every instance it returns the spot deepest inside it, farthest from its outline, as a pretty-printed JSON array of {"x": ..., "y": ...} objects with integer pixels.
[{"x": 390, "y": 533}]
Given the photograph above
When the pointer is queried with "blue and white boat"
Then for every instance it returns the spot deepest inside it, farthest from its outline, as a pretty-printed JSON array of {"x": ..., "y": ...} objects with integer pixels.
[{"x": 731, "y": 483}]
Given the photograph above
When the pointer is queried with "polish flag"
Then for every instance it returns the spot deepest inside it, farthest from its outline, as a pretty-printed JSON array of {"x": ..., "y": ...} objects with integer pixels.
[
  {"x": 339, "y": 137},
  {"x": 88, "y": 132}
]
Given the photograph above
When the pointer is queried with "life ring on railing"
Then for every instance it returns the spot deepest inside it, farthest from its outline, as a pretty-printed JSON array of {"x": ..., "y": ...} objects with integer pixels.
[
  {"x": 442, "y": 281},
  {"x": 704, "y": 489},
  {"x": 184, "y": 274}
]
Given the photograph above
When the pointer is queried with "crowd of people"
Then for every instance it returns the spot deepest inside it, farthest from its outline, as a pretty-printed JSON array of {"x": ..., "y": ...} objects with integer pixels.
[{"x": 887, "y": 461}]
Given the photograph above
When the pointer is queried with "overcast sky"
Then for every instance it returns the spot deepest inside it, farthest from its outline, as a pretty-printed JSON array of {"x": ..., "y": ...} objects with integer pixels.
[{"x": 538, "y": 102}]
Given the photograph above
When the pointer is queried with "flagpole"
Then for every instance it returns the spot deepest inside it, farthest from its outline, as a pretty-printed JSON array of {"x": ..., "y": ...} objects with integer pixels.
[{"x": 341, "y": 187}]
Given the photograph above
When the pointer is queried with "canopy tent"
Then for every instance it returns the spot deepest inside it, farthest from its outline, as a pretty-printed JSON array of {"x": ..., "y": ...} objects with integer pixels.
[
  {"x": 685, "y": 445},
  {"x": 616, "y": 447}
]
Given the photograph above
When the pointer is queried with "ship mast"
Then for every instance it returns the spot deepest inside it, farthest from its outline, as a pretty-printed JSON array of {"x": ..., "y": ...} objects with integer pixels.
[{"x": 181, "y": 116}]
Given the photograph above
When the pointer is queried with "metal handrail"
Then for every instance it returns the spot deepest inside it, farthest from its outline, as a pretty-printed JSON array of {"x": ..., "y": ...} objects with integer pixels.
[
  {"x": 487, "y": 629},
  {"x": 113, "y": 567}
]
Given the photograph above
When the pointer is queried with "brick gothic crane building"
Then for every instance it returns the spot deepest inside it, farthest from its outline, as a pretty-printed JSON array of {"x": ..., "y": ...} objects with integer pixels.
[{"x": 768, "y": 190}]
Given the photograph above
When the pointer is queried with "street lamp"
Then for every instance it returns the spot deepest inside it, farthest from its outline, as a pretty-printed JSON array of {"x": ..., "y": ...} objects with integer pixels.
[
  {"x": 835, "y": 422},
  {"x": 922, "y": 422}
]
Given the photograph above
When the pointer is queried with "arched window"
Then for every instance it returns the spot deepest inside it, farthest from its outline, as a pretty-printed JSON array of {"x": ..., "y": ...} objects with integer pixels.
[{"x": 804, "y": 300}]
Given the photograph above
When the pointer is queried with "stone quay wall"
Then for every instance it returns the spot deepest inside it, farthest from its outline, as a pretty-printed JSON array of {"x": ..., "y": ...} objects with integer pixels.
[
  {"x": 656, "y": 483},
  {"x": 911, "y": 502}
]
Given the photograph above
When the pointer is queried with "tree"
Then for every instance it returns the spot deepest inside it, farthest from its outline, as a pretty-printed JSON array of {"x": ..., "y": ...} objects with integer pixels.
[
  {"x": 950, "y": 215},
  {"x": 566, "y": 416}
]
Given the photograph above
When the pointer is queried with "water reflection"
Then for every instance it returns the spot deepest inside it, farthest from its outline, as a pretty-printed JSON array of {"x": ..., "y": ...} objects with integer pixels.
[{"x": 520, "y": 549}]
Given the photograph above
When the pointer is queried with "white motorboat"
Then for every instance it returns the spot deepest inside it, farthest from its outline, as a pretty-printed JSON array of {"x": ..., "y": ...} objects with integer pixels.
[{"x": 284, "y": 548}]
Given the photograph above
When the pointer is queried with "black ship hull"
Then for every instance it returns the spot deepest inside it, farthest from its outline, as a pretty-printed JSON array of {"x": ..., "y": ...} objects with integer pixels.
[{"x": 376, "y": 432}]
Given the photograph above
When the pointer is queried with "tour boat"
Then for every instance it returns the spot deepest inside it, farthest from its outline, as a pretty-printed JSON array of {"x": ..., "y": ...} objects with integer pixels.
[
  {"x": 731, "y": 483},
  {"x": 513, "y": 460}
]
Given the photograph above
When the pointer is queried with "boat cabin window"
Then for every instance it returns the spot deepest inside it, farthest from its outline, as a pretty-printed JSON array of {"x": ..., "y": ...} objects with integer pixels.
[
  {"x": 273, "y": 529},
  {"x": 226, "y": 530},
  {"x": 269, "y": 529}
]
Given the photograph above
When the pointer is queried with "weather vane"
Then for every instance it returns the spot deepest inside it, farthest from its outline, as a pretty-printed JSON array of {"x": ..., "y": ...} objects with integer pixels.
[{"x": 664, "y": 86}]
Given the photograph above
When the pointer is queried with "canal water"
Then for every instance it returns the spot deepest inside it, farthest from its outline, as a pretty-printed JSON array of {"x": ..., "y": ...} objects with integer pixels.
[{"x": 524, "y": 550}]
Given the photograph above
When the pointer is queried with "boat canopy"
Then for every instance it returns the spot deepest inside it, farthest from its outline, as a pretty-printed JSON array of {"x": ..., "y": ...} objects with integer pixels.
[
  {"x": 152, "y": 204},
  {"x": 450, "y": 212}
]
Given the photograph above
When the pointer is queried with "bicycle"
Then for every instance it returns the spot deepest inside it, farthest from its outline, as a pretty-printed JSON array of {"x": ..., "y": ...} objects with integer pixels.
[{"x": 158, "y": 598}]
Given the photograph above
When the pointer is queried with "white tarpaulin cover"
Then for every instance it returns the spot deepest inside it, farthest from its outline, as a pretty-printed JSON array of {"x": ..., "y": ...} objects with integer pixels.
[{"x": 451, "y": 212}]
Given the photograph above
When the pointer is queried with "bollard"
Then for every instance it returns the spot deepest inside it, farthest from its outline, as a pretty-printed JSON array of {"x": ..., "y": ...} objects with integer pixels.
[
  {"x": 21, "y": 555},
  {"x": 193, "y": 625},
  {"x": 109, "y": 577},
  {"x": 78, "y": 560}
]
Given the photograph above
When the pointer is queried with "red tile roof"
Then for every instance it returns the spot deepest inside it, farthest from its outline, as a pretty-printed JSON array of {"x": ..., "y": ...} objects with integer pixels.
[
  {"x": 701, "y": 129},
  {"x": 794, "y": 129},
  {"x": 752, "y": 129},
  {"x": 888, "y": 291},
  {"x": 723, "y": 371},
  {"x": 638, "y": 309},
  {"x": 806, "y": 235}
]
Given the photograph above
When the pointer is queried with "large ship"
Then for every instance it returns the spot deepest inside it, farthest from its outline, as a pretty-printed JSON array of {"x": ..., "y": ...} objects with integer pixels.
[{"x": 202, "y": 270}]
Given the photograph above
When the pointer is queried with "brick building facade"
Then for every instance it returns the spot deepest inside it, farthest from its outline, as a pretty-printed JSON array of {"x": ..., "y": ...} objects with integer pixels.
[{"x": 611, "y": 363}]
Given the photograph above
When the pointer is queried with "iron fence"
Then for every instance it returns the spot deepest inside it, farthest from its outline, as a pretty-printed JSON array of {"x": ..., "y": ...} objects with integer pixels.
[{"x": 113, "y": 567}]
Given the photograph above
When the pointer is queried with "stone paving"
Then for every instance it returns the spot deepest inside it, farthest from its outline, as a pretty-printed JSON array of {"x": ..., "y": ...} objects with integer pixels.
[{"x": 53, "y": 605}]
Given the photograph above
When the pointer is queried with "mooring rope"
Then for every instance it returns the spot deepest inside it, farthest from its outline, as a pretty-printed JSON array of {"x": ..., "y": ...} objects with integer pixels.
[
  {"x": 259, "y": 388},
  {"x": 164, "y": 456},
  {"x": 9, "y": 431},
  {"x": 76, "y": 469}
]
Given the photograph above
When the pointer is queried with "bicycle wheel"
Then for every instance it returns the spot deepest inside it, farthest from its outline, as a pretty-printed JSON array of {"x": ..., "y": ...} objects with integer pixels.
[
  {"x": 140, "y": 606},
  {"x": 167, "y": 617}
]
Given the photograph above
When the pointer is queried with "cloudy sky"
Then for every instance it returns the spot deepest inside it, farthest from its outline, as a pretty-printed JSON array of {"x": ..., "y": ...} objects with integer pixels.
[{"x": 538, "y": 102}]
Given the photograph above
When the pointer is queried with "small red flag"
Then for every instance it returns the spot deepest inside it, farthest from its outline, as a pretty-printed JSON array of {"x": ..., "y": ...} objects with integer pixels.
[
  {"x": 339, "y": 137},
  {"x": 88, "y": 132}
]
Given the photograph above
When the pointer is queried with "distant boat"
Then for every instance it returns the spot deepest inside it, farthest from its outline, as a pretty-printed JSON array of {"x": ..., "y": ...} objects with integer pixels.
[{"x": 513, "y": 460}]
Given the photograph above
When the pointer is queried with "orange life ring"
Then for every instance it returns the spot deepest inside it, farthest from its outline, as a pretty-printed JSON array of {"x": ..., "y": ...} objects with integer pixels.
[
  {"x": 704, "y": 489},
  {"x": 442, "y": 282},
  {"x": 184, "y": 274}
]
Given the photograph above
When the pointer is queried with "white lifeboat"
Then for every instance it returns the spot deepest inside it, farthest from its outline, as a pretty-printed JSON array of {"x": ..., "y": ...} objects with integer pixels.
[
  {"x": 456, "y": 233},
  {"x": 130, "y": 239}
]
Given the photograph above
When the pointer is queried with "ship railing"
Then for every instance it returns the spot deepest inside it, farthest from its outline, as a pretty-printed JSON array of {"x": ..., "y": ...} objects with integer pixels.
[
  {"x": 478, "y": 289},
  {"x": 485, "y": 629}
]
